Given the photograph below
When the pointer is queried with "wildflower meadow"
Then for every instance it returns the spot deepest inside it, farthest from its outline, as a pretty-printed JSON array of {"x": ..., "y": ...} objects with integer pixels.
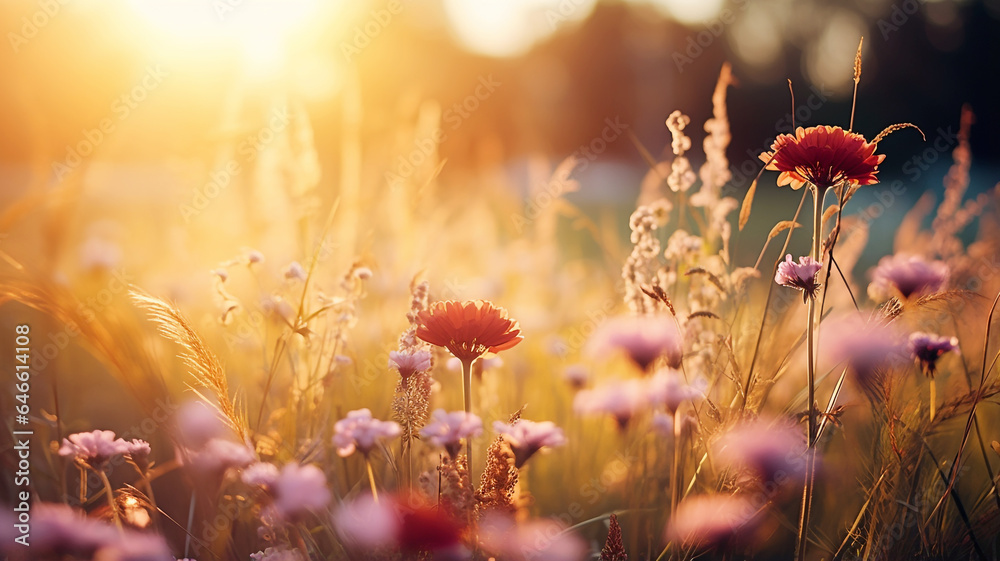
[{"x": 271, "y": 304}]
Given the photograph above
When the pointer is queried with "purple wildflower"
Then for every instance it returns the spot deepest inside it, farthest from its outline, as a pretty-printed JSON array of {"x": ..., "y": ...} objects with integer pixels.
[
  {"x": 927, "y": 348},
  {"x": 299, "y": 489},
  {"x": 446, "y": 430},
  {"x": 907, "y": 276},
  {"x": 410, "y": 362},
  {"x": 94, "y": 448},
  {"x": 712, "y": 520},
  {"x": 642, "y": 338},
  {"x": 800, "y": 276},
  {"x": 359, "y": 431},
  {"x": 527, "y": 437}
]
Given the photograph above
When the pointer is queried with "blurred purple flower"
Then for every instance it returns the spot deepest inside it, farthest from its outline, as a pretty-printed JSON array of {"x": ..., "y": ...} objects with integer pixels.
[
  {"x": 294, "y": 271},
  {"x": 410, "y": 363},
  {"x": 260, "y": 474},
  {"x": 642, "y": 338},
  {"x": 366, "y": 524},
  {"x": 800, "y": 276},
  {"x": 663, "y": 424},
  {"x": 771, "y": 450},
  {"x": 927, "y": 348},
  {"x": 622, "y": 400},
  {"x": 300, "y": 489},
  {"x": 668, "y": 389},
  {"x": 58, "y": 531},
  {"x": 527, "y": 437},
  {"x": 198, "y": 422},
  {"x": 907, "y": 276},
  {"x": 94, "y": 448},
  {"x": 869, "y": 348},
  {"x": 708, "y": 521},
  {"x": 138, "y": 452},
  {"x": 219, "y": 455},
  {"x": 359, "y": 431},
  {"x": 446, "y": 430},
  {"x": 576, "y": 376},
  {"x": 534, "y": 540},
  {"x": 277, "y": 554}
]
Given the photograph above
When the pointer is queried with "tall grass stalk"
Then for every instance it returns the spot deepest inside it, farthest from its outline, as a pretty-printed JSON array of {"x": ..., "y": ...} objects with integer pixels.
[{"x": 807, "y": 489}]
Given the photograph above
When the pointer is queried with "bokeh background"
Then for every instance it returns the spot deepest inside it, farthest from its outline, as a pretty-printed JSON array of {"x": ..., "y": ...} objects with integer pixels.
[
  {"x": 152, "y": 141},
  {"x": 370, "y": 69}
]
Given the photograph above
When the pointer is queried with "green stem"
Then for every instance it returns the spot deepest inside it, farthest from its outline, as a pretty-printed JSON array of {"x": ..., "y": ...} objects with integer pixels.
[
  {"x": 110, "y": 493},
  {"x": 807, "y": 490}
]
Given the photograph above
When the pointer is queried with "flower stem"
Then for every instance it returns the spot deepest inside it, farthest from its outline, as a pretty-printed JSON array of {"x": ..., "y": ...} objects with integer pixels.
[
  {"x": 933, "y": 398},
  {"x": 109, "y": 492},
  {"x": 371, "y": 478},
  {"x": 675, "y": 479},
  {"x": 807, "y": 491},
  {"x": 467, "y": 398}
]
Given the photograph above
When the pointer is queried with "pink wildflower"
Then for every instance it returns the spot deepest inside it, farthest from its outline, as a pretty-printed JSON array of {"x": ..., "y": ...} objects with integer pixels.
[
  {"x": 907, "y": 276},
  {"x": 927, "y": 348},
  {"x": 446, "y": 430},
  {"x": 359, "y": 431},
  {"x": 527, "y": 437},
  {"x": 643, "y": 338},
  {"x": 800, "y": 276}
]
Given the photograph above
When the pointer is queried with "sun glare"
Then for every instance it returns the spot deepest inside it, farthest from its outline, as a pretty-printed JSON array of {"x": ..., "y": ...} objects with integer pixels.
[
  {"x": 260, "y": 28},
  {"x": 510, "y": 27}
]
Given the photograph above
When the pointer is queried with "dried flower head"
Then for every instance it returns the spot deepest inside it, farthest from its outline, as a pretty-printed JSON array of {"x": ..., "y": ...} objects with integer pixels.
[
  {"x": 823, "y": 156},
  {"x": 446, "y": 430},
  {"x": 527, "y": 437},
  {"x": 94, "y": 448},
  {"x": 468, "y": 329},
  {"x": 642, "y": 338},
  {"x": 800, "y": 276},
  {"x": 359, "y": 431},
  {"x": 927, "y": 348},
  {"x": 614, "y": 547},
  {"x": 907, "y": 276}
]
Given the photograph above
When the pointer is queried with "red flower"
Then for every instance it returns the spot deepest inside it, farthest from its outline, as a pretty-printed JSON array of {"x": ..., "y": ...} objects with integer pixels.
[
  {"x": 823, "y": 156},
  {"x": 468, "y": 329}
]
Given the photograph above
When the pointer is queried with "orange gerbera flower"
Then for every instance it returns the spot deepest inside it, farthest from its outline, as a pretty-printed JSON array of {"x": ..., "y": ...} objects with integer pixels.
[
  {"x": 468, "y": 329},
  {"x": 823, "y": 156}
]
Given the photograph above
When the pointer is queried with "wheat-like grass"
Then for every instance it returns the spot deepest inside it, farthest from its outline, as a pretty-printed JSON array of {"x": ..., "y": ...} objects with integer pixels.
[{"x": 206, "y": 368}]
